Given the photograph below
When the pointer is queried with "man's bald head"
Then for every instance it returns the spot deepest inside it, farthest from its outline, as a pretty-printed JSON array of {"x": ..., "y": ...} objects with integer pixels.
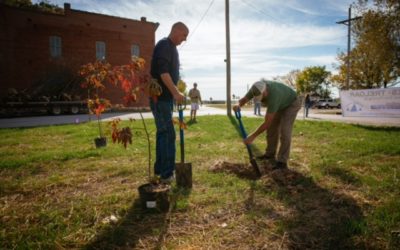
[{"x": 179, "y": 33}]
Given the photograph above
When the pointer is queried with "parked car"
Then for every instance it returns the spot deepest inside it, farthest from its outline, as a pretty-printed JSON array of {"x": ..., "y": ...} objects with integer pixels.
[{"x": 327, "y": 104}]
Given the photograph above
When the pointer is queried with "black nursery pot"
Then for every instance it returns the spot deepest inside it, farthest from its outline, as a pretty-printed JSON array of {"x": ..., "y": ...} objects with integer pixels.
[
  {"x": 154, "y": 197},
  {"x": 100, "y": 142}
]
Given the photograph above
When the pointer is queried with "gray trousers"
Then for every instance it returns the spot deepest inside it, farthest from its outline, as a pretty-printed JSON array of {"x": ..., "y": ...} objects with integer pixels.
[{"x": 281, "y": 130}]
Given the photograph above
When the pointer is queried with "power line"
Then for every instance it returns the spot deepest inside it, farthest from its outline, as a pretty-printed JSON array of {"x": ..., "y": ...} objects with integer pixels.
[
  {"x": 201, "y": 19},
  {"x": 260, "y": 11},
  {"x": 266, "y": 14}
]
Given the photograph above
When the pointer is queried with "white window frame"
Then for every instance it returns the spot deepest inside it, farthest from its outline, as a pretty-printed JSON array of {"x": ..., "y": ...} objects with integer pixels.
[
  {"x": 55, "y": 44},
  {"x": 135, "y": 50},
  {"x": 100, "y": 50}
]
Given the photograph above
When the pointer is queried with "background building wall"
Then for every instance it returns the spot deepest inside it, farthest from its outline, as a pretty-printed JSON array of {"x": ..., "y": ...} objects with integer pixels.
[{"x": 25, "y": 58}]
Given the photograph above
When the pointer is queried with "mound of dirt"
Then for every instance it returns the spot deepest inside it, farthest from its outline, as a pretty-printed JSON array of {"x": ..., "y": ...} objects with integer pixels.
[
  {"x": 239, "y": 169},
  {"x": 284, "y": 177}
]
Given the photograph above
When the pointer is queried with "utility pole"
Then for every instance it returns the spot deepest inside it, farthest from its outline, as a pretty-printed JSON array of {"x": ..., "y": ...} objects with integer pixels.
[
  {"x": 228, "y": 60},
  {"x": 348, "y": 23}
]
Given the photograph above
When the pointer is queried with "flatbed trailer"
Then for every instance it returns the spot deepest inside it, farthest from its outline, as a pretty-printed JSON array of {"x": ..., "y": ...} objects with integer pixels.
[{"x": 49, "y": 107}]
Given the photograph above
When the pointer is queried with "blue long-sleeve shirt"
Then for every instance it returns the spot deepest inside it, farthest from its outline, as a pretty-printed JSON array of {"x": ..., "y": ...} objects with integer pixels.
[{"x": 165, "y": 60}]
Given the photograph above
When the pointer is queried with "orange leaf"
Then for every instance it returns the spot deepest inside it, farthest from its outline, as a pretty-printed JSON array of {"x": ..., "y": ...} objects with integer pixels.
[{"x": 182, "y": 125}]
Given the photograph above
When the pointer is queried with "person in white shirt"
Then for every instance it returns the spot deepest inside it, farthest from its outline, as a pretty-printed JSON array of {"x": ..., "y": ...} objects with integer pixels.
[{"x": 195, "y": 100}]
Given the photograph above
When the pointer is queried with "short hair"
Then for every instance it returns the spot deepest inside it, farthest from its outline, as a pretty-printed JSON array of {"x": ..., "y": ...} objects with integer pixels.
[
  {"x": 194, "y": 84},
  {"x": 179, "y": 25}
]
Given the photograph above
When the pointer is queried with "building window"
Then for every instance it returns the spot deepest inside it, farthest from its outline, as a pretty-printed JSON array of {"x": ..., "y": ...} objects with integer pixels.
[
  {"x": 135, "y": 50},
  {"x": 55, "y": 46},
  {"x": 100, "y": 50}
]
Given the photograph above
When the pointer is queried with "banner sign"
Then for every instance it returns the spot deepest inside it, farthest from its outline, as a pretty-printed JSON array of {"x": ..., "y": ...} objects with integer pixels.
[{"x": 371, "y": 102}]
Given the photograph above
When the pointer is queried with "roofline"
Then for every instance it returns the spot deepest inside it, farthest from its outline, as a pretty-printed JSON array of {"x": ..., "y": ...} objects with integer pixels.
[{"x": 67, "y": 7}]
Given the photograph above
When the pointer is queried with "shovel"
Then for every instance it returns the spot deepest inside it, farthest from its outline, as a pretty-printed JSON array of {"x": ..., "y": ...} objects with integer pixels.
[
  {"x": 183, "y": 170},
  {"x": 243, "y": 131}
]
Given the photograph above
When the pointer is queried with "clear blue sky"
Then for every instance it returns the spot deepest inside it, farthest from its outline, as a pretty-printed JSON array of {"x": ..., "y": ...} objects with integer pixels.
[{"x": 268, "y": 37}]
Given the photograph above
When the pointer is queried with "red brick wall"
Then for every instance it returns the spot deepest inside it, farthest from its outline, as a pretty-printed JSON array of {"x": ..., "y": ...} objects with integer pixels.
[{"x": 25, "y": 52}]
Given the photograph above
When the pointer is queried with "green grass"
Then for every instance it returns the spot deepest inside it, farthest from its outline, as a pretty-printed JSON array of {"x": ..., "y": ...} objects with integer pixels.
[{"x": 342, "y": 191}]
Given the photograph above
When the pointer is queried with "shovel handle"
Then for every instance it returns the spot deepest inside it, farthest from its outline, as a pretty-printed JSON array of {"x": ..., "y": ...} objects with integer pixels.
[
  {"x": 182, "y": 106},
  {"x": 252, "y": 160},
  {"x": 181, "y": 135},
  {"x": 243, "y": 131},
  {"x": 239, "y": 117},
  {"x": 237, "y": 114}
]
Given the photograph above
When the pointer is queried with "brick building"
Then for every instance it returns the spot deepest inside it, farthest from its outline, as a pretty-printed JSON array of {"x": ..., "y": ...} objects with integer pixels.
[{"x": 37, "y": 46}]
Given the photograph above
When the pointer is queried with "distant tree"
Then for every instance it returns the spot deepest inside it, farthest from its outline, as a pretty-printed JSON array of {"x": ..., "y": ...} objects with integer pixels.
[
  {"x": 48, "y": 7},
  {"x": 42, "y": 5},
  {"x": 290, "y": 78},
  {"x": 375, "y": 58},
  {"x": 18, "y": 3},
  {"x": 314, "y": 80}
]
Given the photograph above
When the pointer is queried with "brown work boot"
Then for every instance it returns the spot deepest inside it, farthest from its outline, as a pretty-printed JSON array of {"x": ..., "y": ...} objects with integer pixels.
[
  {"x": 280, "y": 165},
  {"x": 265, "y": 157}
]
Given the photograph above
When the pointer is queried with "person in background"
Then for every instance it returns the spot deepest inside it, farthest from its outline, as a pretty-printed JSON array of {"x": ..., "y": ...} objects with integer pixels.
[
  {"x": 282, "y": 106},
  {"x": 165, "y": 68},
  {"x": 307, "y": 104},
  {"x": 257, "y": 104},
  {"x": 195, "y": 100}
]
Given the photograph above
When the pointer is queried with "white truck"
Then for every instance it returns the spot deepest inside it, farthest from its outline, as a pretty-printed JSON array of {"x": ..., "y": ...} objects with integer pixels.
[{"x": 327, "y": 104}]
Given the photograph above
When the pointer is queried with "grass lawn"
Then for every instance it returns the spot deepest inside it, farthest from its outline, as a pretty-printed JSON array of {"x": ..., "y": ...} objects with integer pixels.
[{"x": 341, "y": 191}]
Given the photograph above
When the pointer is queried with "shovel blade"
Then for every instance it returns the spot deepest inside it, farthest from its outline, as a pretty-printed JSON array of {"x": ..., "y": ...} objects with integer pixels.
[
  {"x": 183, "y": 175},
  {"x": 255, "y": 167}
]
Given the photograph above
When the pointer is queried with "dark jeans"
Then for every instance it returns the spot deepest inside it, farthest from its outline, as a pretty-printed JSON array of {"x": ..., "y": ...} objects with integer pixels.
[
  {"x": 257, "y": 108},
  {"x": 306, "y": 107},
  {"x": 165, "y": 138}
]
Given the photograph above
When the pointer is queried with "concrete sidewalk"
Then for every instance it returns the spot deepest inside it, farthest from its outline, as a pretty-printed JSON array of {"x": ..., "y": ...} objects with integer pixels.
[{"x": 36, "y": 121}]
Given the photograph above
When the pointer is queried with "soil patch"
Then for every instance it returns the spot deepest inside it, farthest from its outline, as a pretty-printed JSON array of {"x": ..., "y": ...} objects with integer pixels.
[{"x": 242, "y": 170}]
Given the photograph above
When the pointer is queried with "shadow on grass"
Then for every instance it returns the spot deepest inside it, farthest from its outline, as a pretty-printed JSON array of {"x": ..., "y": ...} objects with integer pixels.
[
  {"x": 135, "y": 226},
  {"x": 139, "y": 228},
  {"x": 191, "y": 122},
  {"x": 321, "y": 218},
  {"x": 318, "y": 219},
  {"x": 376, "y": 128},
  {"x": 344, "y": 175}
]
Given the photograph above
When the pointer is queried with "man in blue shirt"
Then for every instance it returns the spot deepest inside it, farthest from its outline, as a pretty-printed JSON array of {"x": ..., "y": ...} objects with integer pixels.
[{"x": 165, "y": 68}]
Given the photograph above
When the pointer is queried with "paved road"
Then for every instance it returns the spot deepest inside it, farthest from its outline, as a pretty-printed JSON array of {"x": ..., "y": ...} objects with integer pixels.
[{"x": 36, "y": 121}]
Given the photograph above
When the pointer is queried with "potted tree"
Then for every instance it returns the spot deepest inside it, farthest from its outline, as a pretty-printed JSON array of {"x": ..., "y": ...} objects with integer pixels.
[
  {"x": 94, "y": 76},
  {"x": 133, "y": 79},
  {"x": 97, "y": 106}
]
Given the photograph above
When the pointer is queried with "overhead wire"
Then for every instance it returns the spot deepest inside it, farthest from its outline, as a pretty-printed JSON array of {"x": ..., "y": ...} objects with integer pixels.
[
  {"x": 200, "y": 21},
  {"x": 259, "y": 10},
  {"x": 267, "y": 14}
]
